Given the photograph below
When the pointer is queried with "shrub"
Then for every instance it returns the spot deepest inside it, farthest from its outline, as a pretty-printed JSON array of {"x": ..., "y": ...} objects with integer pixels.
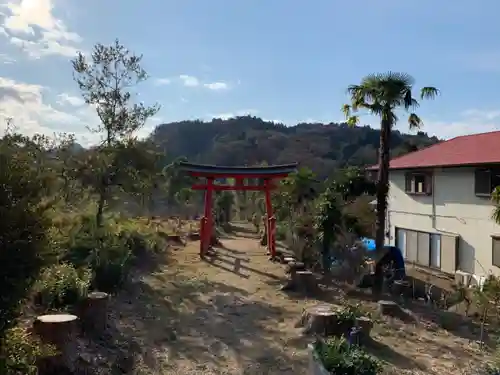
[
  {"x": 61, "y": 285},
  {"x": 111, "y": 251},
  {"x": 24, "y": 247},
  {"x": 338, "y": 357},
  {"x": 19, "y": 352}
]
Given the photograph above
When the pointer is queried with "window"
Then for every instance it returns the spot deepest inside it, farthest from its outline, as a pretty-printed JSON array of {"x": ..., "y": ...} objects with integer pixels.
[
  {"x": 496, "y": 251},
  {"x": 432, "y": 250},
  {"x": 418, "y": 183},
  {"x": 485, "y": 181},
  {"x": 435, "y": 250}
]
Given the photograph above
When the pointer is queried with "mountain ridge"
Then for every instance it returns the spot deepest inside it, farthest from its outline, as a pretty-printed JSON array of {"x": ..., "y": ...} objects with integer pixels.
[{"x": 249, "y": 140}]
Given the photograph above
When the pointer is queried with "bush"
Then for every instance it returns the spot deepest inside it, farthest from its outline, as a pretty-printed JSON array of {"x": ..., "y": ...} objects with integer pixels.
[
  {"x": 19, "y": 352},
  {"x": 61, "y": 285},
  {"x": 110, "y": 251},
  {"x": 24, "y": 247},
  {"x": 339, "y": 357}
]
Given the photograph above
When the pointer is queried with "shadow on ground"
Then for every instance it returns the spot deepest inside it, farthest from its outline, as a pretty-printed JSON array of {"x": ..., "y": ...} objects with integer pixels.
[{"x": 168, "y": 320}]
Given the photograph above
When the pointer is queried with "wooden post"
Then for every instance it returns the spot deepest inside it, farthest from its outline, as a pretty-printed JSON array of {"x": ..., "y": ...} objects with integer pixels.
[
  {"x": 208, "y": 227},
  {"x": 270, "y": 222}
]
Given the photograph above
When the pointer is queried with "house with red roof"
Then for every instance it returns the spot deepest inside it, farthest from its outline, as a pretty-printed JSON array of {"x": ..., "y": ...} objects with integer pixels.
[{"x": 439, "y": 207}]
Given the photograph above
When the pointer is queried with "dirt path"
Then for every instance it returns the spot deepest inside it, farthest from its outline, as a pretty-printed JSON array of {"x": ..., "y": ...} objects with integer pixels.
[
  {"x": 228, "y": 317},
  {"x": 218, "y": 317}
]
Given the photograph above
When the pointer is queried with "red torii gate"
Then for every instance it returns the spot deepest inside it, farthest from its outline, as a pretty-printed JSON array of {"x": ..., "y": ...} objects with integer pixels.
[{"x": 267, "y": 174}]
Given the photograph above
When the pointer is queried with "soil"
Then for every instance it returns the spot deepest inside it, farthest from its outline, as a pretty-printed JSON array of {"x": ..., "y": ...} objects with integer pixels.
[{"x": 227, "y": 316}]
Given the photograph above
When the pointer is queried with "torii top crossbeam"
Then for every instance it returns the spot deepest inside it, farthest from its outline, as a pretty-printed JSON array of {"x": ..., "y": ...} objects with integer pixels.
[
  {"x": 217, "y": 171},
  {"x": 213, "y": 172}
]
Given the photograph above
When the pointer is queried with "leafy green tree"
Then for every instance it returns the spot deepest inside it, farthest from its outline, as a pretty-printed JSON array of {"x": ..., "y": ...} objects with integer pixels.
[
  {"x": 332, "y": 219},
  {"x": 224, "y": 203},
  {"x": 106, "y": 79},
  {"x": 382, "y": 95}
]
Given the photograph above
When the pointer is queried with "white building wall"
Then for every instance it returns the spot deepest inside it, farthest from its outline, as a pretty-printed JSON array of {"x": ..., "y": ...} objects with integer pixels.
[{"x": 453, "y": 208}]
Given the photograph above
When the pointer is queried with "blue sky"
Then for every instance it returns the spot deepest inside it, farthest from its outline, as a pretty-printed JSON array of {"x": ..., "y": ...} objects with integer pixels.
[{"x": 287, "y": 61}]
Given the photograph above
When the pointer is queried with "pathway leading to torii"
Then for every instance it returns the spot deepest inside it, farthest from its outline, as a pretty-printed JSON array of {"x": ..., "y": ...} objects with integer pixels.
[
  {"x": 228, "y": 317},
  {"x": 224, "y": 316}
]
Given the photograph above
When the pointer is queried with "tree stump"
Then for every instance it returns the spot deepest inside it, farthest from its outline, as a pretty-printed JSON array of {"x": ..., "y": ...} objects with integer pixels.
[
  {"x": 323, "y": 320},
  {"x": 94, "y": 313},
  {"x": 365, "y": 324},
  {"x": 305, "y": 282},
  {"x": 58, "y": 330},
  {"x": 401, "y": 288},
  {"x": 293, "y": 267},
  {"x": 390, "y": 308},
  {"x": 194, "y": 236}
]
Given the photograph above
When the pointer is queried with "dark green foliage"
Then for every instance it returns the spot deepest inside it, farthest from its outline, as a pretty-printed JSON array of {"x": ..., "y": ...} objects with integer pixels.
[
  {"x": 338, "y": 357},
  {"x": 250, "y": 140},
  {"x": 24, "y": 178}
]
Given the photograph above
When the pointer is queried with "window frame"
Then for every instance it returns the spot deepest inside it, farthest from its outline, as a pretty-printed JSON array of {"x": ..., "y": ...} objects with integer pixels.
[
  {"x": 417, "y": 232},
  {"x": 491, "y": 171},
  {"x": 410, "y": 181},
  {"x": 493, "y": 239}
]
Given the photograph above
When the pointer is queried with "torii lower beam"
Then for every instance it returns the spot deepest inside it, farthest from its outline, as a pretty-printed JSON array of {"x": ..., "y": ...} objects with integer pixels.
[{"x": 267, "y": 174}]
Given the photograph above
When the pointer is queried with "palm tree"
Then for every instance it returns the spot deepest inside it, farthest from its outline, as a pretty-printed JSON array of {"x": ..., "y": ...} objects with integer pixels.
[{"x": 382, "y": 95}]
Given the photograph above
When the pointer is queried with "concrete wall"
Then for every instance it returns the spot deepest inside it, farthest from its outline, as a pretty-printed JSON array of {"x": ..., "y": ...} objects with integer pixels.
[{"x": 453, "y": 208}]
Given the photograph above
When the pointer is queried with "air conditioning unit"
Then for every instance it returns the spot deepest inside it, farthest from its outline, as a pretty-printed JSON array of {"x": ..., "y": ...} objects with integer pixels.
[{"x": 463, "y": 278}]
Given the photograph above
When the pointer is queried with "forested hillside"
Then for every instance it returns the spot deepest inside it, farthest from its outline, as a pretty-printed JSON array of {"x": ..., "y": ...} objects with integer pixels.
[{"x": 251, "y": 140}]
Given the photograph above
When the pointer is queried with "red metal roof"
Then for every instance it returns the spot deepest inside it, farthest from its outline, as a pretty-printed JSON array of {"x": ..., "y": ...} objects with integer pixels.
[{"x": 474, "y": 149}]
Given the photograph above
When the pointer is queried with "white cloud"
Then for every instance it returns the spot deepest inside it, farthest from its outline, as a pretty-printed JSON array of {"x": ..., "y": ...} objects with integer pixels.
[
  {"x": 75, "y": 101},
  {"x": 227, "y": 115},
  {"x": 32, "y": 26},
  {"x": 471, "y": 121},
  {"x": 189, "y": 81},
  {"x": 25, "y": 104},
  {"x": 6, "y": 59},
  {"x": 163, "y": 81},
  {"x": 216, "y": 86}
]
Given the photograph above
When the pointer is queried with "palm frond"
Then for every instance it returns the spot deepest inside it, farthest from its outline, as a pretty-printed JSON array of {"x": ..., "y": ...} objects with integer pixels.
[
  {"x": 429, "y": 92},
  {"x": 414, "y": 121},
  {"x": 409, "y": 102},
  {"x": 353, "y": 121},
  {"x": 346, "y": 110}
]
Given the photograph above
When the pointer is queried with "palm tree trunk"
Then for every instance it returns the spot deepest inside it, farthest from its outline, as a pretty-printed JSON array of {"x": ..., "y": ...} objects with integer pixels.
[{"x": 382, "y": 191}]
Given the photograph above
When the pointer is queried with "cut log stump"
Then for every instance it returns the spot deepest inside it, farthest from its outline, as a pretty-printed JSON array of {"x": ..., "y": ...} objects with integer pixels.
[
  {"x": 94, "y": 313},
  {"x": 365, "y": 325},
  {"x": 392, "y": 309},
  {"x": 401, "y": 288},
  {"x": 303, "y": 282},
  {"x": 389, "y": 308},
  {"x": 58, "y": 330},
  {"x": 306, "y": 282},
  {"x": 323, "y": 320},
  {"x": 193, "y": 236},
  {"x": 293, "y": 267}
]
